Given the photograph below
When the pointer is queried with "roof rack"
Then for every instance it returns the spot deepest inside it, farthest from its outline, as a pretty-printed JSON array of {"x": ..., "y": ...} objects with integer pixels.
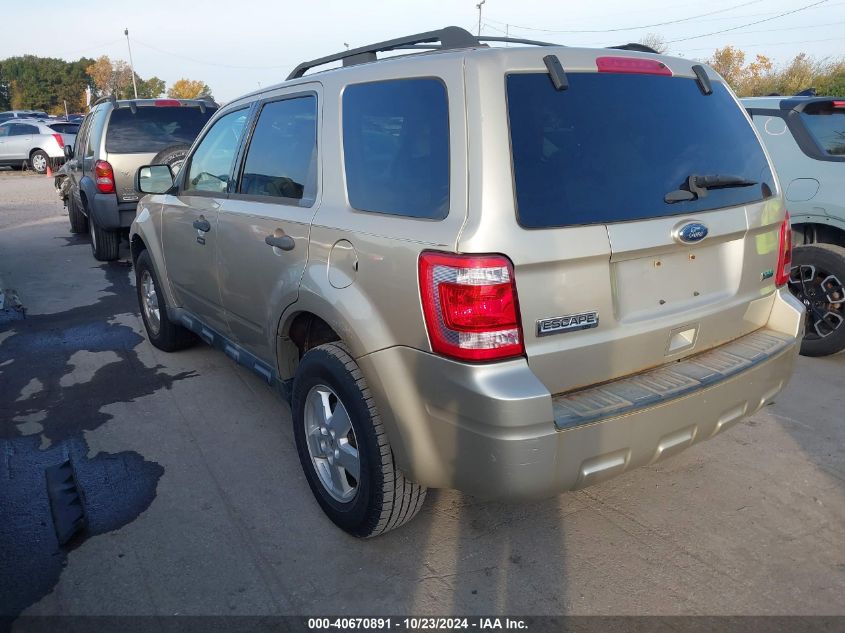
[
  {"x": 633, "y": 46},
  {"x": 449, "y": 37},
  {"x": 105, "y": 98}
]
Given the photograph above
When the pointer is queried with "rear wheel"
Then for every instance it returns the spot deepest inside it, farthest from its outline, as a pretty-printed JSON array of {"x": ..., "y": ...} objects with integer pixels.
[
  {"x": 105, "y": 244},
  {"x": 817, "y": 278},
  {"x": 343, "y": 447},
  {"x": 78, "y": 221},
  {"x": 39, "y": 160},
  {"x": 163, "y": 333}
]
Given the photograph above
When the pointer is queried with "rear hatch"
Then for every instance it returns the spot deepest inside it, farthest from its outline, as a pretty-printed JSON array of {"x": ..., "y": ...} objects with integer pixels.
[
  {"x": 134, "y": 135},
  {"x": 621, "y": 263}
]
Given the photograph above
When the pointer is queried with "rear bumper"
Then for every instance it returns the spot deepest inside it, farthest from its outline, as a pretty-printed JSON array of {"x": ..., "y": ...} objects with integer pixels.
[
  {"x": 109, "y": 214},
  {"x": 495, "y": 431}
]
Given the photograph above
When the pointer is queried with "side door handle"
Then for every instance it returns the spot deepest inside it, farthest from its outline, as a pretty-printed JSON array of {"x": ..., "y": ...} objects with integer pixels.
[
  {"x": 202, "y": 225},
  {"x": 284, "y": 242}
]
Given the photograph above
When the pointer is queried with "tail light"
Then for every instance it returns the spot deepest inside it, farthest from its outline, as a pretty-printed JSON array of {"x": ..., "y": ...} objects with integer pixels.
[
  {"x": 104, "y": 176},
  {"x": 632, "y": 65},
  {"x": 784, "y": 253},
  {"x": 60, "y": 141},
  {"x": 470, "y": 306}
]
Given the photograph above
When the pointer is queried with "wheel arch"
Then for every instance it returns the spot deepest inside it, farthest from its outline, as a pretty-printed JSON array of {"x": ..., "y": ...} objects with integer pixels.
[{"x": 811, "y": 231}]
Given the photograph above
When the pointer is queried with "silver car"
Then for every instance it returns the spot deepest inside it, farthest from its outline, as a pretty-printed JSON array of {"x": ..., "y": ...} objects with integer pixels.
[
  {"x": 806, "y": 139},
  {"x": 513, "y": 271},
  {"x": 38, "y": 144}
]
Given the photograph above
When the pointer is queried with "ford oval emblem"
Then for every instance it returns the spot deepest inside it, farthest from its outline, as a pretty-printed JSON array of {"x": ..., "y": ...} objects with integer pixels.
[{"x": 692, "y": 233}]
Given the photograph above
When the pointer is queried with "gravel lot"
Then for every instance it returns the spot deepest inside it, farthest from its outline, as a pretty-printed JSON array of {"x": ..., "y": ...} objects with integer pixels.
[{"x": 197, "y": 504}]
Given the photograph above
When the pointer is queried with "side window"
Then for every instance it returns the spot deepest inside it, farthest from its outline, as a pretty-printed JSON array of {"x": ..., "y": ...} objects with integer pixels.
[
  {"x": 81, "y": 137},
  {"x": 281, "y": 161},
  {"x": 826, "y": 123},
  {"x": 20, "y": 129},
  {"x": 95, "y": 132},
  {"x": 5, "y": 129},
  {"x": 396, "y": 147},
  {"x": 211, "y": 163}
]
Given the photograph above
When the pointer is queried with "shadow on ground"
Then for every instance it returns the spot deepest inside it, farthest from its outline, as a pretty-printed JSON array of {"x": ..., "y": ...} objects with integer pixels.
[{"x": 45, "y": 411}]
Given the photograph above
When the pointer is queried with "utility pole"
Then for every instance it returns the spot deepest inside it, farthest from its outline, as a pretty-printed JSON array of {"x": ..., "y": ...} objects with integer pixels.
[
  {"x": 131, "y": 65},
  {"x": 478, "y": 6}
]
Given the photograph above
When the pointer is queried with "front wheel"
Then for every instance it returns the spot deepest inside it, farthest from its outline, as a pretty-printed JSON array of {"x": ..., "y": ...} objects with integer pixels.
[
  {"x": 162, "y": 332},
  {"x": 818, "y": 273},
  {"x": 343, "y": 447}
]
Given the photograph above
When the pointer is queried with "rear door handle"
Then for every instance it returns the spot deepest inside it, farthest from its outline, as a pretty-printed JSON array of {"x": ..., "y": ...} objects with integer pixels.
[
  {"x": 202, "y": 225},
  {"x": 284, "y": 242}
]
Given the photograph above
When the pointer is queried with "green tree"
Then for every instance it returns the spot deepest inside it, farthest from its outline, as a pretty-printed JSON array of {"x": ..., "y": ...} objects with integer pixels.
[
  {"x": 42, "y": 83},
  {"x": 150, "y": 88}
]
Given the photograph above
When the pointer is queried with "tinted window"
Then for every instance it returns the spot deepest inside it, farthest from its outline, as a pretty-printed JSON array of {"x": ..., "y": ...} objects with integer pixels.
[
  {"x": 151, "y": 129},
  {"x": 5, "y": 116},
  {"x": 282, "y": 158},
  {"x": 211, "y": 162},
  {"x": 396, "y": 147},
  {"x": 611, "y": 147},
  {"x": 95, "y": 131},
  {"x": 19, "y": 129},
  {"x": 65, "y": 128},
  {"x": 827, "y": 125},
  {"x": 5, "y": 129}
]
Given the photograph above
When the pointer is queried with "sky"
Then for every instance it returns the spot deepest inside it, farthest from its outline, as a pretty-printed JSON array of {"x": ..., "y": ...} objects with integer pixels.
[{"x": 236, "y": 46}]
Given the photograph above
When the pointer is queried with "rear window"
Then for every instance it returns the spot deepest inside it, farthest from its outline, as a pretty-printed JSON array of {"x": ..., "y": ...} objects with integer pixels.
[
  {"x": 65, "y": 128},
  {"x": 826, "y": 123},
  {"x": 611, "y": 147},
  {"x": 152, "y": 128}
]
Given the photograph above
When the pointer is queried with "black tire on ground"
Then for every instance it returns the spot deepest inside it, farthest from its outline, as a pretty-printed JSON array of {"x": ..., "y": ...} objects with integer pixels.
[
  {"x": 39, "y": 161},
  {"x": 169, "y": 337},
  {"x": 385, "y": 498},
  {"x": 825, "y": 333},
  {"x": 78, "y": 221},
  {"x": 105, "y": 244},
  {"x": 173, "y": 156}
]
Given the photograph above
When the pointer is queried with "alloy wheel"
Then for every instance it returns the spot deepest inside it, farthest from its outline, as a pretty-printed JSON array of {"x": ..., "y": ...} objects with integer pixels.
[
  {"x": 823, "y": 296},
  {"x": 149, "y": 300},
  {"x": 332, "y": 444}
]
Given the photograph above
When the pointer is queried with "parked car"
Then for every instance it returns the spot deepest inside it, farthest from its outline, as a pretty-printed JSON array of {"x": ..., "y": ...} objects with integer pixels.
[
  {"x": 35, "y": 143},
  {"x": 511, "y": 271},
  {"x": 22, "y": 114},
  {"x": 116, "y": 138},
  {"x": 805, "y": 136}
]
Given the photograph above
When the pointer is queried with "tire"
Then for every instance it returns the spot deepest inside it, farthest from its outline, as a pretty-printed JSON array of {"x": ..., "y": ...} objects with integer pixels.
[
  {"x": 817, "y": 278},
  {"x": 105, "y": 244},
  {"x": 78, "y": 221},
  {"x": 383, "y": 498},
  {"x": 173, "y": 156},
  {"x": 39, "y": 161},
  {"x": 163, "y": 333}
]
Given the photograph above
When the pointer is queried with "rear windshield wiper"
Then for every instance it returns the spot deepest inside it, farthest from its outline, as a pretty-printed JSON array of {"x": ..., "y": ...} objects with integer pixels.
[{"x": 698, "y": 184}]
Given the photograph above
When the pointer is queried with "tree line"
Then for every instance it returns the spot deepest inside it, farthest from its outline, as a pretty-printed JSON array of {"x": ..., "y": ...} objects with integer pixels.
[{"x": 29, "y": 82}]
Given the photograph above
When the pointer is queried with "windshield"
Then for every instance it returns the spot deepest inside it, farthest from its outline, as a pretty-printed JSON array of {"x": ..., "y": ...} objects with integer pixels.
[
  {"x": 151, "y": 129},
  {"x": 612, "y": 146}
]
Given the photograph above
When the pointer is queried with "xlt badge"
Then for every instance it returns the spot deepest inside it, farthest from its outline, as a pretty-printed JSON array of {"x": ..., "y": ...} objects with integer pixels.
[{"x": 568, "y": 323}]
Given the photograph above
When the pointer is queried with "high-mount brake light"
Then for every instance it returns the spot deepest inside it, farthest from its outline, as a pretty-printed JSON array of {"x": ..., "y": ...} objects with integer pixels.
[
  {"x": 632, "y": 65},
  {"x": 167, "y": 102},
  {"x": 784, "y": 253},
  {"x": 470, "y": 306}
]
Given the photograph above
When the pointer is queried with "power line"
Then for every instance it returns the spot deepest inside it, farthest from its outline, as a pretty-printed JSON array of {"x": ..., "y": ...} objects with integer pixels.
[
  {"x": 633, "y": 28},
  {"x": 200, "y": 61},
  {"x": 741, "y": 26},
  {"x": 827, "y": 39}
]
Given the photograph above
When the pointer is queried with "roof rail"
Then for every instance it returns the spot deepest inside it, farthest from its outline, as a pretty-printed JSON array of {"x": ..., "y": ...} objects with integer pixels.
[
  {"x": 449, "y": 37},
  {"x": 634, "y": 46},
  {"x": 105, "y": 98}
]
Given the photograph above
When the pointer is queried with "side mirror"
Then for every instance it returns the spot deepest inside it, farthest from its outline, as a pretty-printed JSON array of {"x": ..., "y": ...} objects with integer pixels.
[
  {"x": 153, "y": 179},
  {"x": 68, "y": 152}
]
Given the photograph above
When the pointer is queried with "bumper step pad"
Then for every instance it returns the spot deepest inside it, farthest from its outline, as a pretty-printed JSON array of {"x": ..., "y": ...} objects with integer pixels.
[{"x": 667, "y": 382}]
